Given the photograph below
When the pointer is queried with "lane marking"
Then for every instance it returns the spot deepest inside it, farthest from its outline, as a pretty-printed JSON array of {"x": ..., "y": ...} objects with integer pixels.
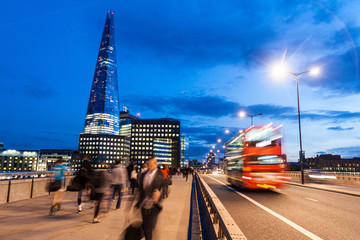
[
  {"x": 287, "y": 221},
  {"x": 314, "y": 200}
]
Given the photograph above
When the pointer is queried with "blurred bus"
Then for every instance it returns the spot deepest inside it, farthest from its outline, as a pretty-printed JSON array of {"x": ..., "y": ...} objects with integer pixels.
[{"x": 255, "y": 159}]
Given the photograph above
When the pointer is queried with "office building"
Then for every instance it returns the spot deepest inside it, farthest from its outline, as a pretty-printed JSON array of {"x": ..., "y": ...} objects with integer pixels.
[
  {"x": 48, "y": 158},
  {"x": 100, "y": 142},
  {"x": 159, "y": 137},
  {"x": 18, "y": 160},
  {"x": 210, "y": 160},
  {"x": 184, "y": 151}
]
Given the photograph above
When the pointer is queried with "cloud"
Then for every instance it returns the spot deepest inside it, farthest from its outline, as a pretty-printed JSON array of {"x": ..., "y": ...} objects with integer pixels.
[
  {"x": 338, "y": 128},
  {"x": 216, "y": 106},
  {"x": 339, "y": 72},
  {"x": 210, "y": 106},
  {"x": 28, "y": 84},
  {"x": 346, "y": 152},
  {"x": 208, "y": 32},
  {"x": 37, "y": 88}
]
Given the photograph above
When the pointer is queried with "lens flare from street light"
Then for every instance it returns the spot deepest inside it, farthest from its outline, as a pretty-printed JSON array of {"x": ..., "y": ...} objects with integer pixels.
[
  {"x": 279, "y": 70},
  {"x": 213, "y": 146},
  {"x": 242, "y": 114},
  {"x": 315, "y": 71},
  {"x": 219, "y": 140},
  {"x": 227, "y": 131}
]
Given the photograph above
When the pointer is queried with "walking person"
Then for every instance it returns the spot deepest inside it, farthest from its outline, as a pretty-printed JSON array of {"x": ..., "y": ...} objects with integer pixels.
[
  {"x": 134, "y": 179},
  {"x": 101, "y": 183},
  {"x": 151, "y": 184},
  {"x": 166, "y": 173},
  {"x": 58, "y": 185},
  {"x": 144, "y": 168},
  {"x": 186, "y": 172},
  {"x": 84, "y": 176},
  {"x": 119, "y": 177},
  {"x": 129, "y": 169}
]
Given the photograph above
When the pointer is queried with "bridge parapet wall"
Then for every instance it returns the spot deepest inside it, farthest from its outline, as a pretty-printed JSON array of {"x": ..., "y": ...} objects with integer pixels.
[
  {"x": 21, "y": 189},
  {"x": 352, "y": 178}
]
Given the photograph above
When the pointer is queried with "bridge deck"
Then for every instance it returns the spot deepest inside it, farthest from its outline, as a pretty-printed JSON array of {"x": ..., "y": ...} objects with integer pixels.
[{"x": 28, "y": 219}]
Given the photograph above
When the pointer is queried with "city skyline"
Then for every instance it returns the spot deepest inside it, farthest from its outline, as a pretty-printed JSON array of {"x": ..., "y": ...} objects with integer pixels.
[{"x": 200, "y": 63}]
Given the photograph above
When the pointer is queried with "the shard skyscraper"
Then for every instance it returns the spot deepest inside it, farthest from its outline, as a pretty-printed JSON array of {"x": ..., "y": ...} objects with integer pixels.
[
  {"x": 100, "y": 141},
  {"x": 102, "y": 115}
]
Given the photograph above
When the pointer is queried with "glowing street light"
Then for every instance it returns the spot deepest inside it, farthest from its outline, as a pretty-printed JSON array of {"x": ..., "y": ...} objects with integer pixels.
[
  {"x": 219, "y": 140},
  {"x": 244, "y": 114},
  {"x": 280, "y": 70}
]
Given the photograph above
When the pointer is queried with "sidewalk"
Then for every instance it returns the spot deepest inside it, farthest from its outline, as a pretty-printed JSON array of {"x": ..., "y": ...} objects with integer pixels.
[{"x": 28, "y": 219}]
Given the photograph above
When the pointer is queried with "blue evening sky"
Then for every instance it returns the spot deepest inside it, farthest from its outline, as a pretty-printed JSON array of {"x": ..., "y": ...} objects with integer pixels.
[{"x": 197, "y": 61}]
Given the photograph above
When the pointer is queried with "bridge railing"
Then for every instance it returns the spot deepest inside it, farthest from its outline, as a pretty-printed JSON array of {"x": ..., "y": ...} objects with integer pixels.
[
  {"x": 341, "y": 177},
  {"x": 16, "y": 186},
  {"x": 215, "y": 219}
]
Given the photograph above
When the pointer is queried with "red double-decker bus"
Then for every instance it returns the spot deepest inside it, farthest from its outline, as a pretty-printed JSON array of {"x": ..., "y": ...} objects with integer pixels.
[{"x": 255, "y": 159}]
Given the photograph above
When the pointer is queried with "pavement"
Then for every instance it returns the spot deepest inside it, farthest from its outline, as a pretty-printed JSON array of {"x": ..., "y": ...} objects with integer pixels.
[{"x": 29, "y": 219}]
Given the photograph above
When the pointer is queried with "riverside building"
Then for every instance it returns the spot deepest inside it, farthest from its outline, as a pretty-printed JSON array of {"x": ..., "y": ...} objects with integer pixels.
[{"x": 159, "y": 137}]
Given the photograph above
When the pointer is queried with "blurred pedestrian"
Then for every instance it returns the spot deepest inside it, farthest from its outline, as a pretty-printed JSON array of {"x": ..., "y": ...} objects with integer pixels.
[
  {"x": 134, "y": 179},
  {"x": 58, "y": 185},
  {"x": 119, "y": 177},
  {"x": 150, "y": 187},
  {"x": 129, "y": 169},
  {"x": 84, "y": 176},
  {"x": 186, "y": 173},
  {"x": 166, "y": 173},
  {"x": 144, "y": 168},
  {"x": 100, "y": 186}
]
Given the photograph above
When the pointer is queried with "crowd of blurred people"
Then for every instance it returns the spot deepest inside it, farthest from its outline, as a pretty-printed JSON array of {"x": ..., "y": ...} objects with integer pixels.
[{"x": 150, "y": 182}]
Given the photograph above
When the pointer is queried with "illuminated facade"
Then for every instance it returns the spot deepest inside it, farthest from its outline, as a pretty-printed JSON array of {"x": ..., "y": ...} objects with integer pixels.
[
  {"x": 184, "y": 151},
  {"x": 159, "y": 137},
  {"x": 100, "y": 142},
  {"x": 102, "y": 150},
  {"x": 102, "y": 115},
  {"x": 48, "y": 158},
  {"x": 18, "y": 160}
]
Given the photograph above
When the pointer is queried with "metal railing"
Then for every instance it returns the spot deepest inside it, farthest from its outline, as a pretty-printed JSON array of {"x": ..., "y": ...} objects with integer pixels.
[{"x": 222, "y": 224}]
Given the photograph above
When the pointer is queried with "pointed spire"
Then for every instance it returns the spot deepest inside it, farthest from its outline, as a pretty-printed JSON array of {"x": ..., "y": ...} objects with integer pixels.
[{"x": 102, "y": 115}]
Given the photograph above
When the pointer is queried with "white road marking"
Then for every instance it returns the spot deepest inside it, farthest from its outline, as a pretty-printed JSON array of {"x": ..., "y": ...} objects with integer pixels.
[
  {"x": 287, "y": 221},
  {"x": 314, "y": 200}
]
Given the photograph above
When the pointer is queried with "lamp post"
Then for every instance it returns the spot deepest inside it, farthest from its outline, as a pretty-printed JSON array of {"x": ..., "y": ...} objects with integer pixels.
[
  {"x": 243, "y": 114},
  {"x": 314, "y": 71}
]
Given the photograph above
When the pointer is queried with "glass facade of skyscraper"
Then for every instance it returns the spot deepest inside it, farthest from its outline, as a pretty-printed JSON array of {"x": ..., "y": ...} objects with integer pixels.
[
  {"x": 100, "y": 142},
  {"x": 102, "y": 115}
]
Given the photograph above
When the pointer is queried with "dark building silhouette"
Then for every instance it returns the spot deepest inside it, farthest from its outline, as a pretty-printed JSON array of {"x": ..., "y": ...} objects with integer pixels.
[{"x": 329, "y": 162}]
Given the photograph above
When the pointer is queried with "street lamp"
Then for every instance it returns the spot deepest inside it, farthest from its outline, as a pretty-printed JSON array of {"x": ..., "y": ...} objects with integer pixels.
[
  {"x": 279, "y": 70},
  {"x": 244, "y": 114}
]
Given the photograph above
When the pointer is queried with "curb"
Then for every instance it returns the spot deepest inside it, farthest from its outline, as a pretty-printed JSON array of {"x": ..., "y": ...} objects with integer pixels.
[{"x": 325, "y": 189}]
